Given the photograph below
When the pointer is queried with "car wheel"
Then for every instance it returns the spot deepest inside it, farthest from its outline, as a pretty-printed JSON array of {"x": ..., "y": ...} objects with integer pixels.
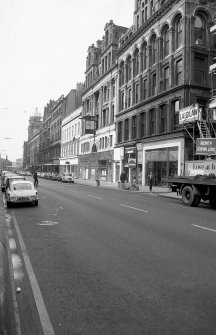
[
  {"x": 36, "y": 203},
  {"x": 9, "y": 205}
]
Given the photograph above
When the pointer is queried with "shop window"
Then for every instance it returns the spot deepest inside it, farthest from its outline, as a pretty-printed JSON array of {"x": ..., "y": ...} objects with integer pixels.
[
  {"x": 163, "y": 163},
  {"x": 126, "y": 124},
  {"x": 199, "y": 68},
  {"x": 134, "y": 127}
]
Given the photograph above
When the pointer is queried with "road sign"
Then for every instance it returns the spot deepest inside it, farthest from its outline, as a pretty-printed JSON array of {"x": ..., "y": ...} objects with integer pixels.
[{"x": 132, "y": 163}]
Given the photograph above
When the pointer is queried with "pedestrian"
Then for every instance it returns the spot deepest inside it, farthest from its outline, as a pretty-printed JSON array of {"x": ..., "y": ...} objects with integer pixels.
[
  {"x": 123, "y": 179},
  {"x": 150, "y": 181},
  {"x": 35, "y": 176}
]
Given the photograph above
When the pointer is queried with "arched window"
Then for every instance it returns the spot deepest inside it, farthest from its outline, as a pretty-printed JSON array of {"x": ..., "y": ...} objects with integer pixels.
[
  {"x": 178, "y": 32},
  {"x": 153, "y": 50},
  {"x": 136, "y": 62},
  {"x": 144, "y": 57},
  {"x": 165, "y": 41},
  {"x": 128, "y": 68},
  {"x": 199, "y": 30},
  {"x": 121, "y": 74}
]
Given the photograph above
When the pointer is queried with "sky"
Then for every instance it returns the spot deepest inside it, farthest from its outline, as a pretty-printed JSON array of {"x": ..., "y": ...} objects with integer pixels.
[{"x": 43, "y": 54}]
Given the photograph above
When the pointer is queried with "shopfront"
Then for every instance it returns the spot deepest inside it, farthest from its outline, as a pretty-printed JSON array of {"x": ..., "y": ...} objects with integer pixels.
[{"x": 164, "y": 160}]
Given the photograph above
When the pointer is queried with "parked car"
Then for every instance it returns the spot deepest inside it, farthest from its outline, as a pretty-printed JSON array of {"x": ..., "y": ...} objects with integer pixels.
[
  {"x": 59, "y": 177},
  {"x": 11, "y": 178},
  {"x": 22, "y": 173},
  {"x": 21, "y": 191},
  {"x": 4, "y": 177},
  {"x": 67, "y": 178},
  {"x": 55, "y": 176}
]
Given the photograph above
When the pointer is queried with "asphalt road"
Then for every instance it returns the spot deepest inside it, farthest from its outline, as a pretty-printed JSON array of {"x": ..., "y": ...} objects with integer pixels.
[{"x": 115, "y": 263}]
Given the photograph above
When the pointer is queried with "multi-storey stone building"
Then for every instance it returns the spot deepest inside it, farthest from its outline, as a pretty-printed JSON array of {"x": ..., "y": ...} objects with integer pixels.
[
  {"x": 33, "y": 147},
  {"x": 55, "y": 133},
  {"x": 71, "y": 131},
  {"x": 163, "y": 66},
  {"x": 96, "y": 156}
]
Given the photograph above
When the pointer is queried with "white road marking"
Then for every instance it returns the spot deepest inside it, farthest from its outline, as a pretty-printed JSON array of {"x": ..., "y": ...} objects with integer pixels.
[
  {"x": 92, "y": 196},
  {"x": 42, "y": 311},
  {"x": 74, "y": 191},
  {"x": 47, "y": 223},
  {"x": 137, "y": 209},
  {"x": 204, "y": 228}
]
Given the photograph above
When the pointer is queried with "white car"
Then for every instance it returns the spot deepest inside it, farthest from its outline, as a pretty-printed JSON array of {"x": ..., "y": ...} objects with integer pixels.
[
  {"x": 21, "y": 191},
  {"x": 67, "y": 178}
]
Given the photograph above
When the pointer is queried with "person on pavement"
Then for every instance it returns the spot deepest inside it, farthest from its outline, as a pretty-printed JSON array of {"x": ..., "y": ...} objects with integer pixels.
[
  {"x": 150, "y": 181},
  {"x": 123, "y": 178},
  {"x": 35, "y": 176}
]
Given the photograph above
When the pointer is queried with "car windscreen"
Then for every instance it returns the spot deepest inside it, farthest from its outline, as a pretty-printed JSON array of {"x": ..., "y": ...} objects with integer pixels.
[{"x": 22, "y": 187}]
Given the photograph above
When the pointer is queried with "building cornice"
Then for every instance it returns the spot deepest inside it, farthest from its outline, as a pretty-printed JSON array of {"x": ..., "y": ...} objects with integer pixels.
[{"x": 145, "y": 27}]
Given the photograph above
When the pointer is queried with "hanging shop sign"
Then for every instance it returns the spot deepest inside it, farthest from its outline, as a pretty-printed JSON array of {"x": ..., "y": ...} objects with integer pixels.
[
  {"x": 89, "y": 124},
  {"x": 206, "y": 146},
  {"x": 189, "y": 114}
]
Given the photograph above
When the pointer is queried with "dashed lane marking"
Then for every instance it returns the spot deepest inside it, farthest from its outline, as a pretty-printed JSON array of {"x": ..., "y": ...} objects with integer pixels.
[
  {"x": 42, "y": 311},
  {"x": 201, "y": 227},
  {"x": 137, "y": 209},
  {"x": 93, "y": 196}
]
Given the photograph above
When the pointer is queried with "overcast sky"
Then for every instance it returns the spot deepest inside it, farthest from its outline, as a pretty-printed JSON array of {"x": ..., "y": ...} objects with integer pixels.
[{"x": 43, "y": 53}]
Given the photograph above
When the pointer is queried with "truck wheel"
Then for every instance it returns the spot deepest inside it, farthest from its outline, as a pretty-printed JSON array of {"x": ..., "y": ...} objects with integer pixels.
[
  {"x": 212, "y": 200},
  {"x": 188, "y": 196},
  {"x": 196, "y": 200},
  {"x": 9, "y": 205}
]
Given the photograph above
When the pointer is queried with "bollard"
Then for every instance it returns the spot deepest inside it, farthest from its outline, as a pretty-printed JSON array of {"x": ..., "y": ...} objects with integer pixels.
[
  {"x": 98, "y": 182},
  {"x": 7, "y": 313}
]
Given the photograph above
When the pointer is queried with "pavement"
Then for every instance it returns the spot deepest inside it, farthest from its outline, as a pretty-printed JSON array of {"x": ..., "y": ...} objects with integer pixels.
[{"x": 156, "y": 190}]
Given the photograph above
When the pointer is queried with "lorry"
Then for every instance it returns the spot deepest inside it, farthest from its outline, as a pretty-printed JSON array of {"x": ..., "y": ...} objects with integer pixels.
[{"x": 193, "y": 189}]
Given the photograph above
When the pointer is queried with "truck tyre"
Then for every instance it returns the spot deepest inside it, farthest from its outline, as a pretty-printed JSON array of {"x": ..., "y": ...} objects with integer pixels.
[
  {"x": 212, "y": 200},
  {"x": 188, "y": 196},
  {"x": 196, "y": 200},
  {"x": 9, "y": 205}
]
